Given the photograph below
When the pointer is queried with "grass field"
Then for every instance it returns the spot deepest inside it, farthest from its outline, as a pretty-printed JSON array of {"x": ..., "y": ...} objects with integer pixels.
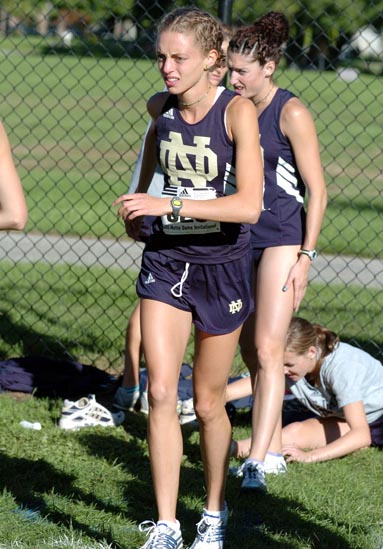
[{"x": 90, "y": 489}]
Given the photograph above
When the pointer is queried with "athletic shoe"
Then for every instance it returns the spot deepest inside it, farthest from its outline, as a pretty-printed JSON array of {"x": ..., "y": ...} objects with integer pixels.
[
  {"x": 126, "y": 398},
  {"x": 211, "y": 531},
  {"x": 161, "y": 536},
  {"x": 179, "y": 407},
  {"x": 273, "y": 464},
  {"x": 86, "y": 412},
  {"x": 187, "y": 414},
  {"x": 253, "y": 476}
]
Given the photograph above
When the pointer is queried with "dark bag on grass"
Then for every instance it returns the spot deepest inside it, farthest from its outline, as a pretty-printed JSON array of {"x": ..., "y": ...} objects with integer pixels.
[{"x": 49, "y": 377}]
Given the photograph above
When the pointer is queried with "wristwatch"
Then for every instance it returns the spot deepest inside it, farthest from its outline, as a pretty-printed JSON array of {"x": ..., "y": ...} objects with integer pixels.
[
  {"x": 176, "y": 204},
  {"x": 312, "y": 254}
]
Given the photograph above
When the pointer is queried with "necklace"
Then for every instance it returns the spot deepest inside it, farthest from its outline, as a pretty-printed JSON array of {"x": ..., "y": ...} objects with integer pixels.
[
  {"x": 266, "y": 96},
  {"x": 197, "y": 100}
]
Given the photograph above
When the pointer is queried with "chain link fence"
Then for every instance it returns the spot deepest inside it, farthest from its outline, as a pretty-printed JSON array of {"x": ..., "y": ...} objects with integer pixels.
[{"x": 75, "y": 80}]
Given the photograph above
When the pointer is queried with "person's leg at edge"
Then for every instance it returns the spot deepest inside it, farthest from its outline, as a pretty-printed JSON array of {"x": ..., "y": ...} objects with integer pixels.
[
  {"x": 133, "y": 350},
  {"x": 273, "y": 312},
  {"x": 213, "y": 360},
  {"x": 128, "y": 393},
  {"x": 163, "y": 355}
]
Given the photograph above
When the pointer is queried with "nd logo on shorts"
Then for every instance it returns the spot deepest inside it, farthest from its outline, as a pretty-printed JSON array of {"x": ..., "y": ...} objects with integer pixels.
[{"x": 235, "y": 306}]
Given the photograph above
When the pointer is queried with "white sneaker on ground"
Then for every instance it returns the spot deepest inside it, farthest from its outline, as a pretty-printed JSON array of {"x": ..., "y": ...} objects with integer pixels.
[
  {"x": 161, "y": 535},
  {"x": 187, "y": 414},
  {"x": 275, "y": 464},
  {"x": 126, "y": 398},
  {"x": 87, "y": 412},
  {"x": 253, "y": 476},
  {"x": 211, "y": 531}
]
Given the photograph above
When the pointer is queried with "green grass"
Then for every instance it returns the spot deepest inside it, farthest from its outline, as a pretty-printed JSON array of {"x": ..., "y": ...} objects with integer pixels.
[
  {"x": 91, "y": 488},
  {"x": 76, "y": 124},
  {"x": 353, "y": 313},
  {"x": 66, "y": 310}
]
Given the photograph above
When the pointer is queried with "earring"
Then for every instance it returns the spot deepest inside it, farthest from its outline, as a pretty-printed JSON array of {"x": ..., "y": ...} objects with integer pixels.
[{"x": 206, "y": 68}]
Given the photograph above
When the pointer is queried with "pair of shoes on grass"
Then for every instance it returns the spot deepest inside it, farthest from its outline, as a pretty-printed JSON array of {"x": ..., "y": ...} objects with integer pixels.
[
  {"x": 210, "y": 533},
  {"x": 87, "y": 412}
]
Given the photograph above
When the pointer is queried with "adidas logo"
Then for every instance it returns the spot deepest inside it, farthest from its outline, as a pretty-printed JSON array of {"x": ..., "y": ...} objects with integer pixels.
[
  {"x": 184, "y": 193},
  {"x": 150, "y": 279},
  {"x": 169, "y": 114}
]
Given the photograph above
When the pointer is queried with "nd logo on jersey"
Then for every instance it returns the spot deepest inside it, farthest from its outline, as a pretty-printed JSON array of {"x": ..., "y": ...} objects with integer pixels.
[{"x": 176, "y": 158}]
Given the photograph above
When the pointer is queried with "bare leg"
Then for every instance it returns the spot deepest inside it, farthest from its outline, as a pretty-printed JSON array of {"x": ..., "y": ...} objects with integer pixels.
[
  {"x": 241, "y": 448},
  {"x": 133, "y": 350},
  {"x": 247, "y": 345},
  {"x": 273, "y": 313},
  {"x": 314, "y": 433},
  {"x": 163, "y": 355},
  {"x": 213, "y": 360}
]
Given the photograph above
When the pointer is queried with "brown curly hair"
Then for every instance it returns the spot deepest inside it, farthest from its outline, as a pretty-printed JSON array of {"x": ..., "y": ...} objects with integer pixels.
[
  {"x": 264, "y": 40},
  {"x": 206, "y": 29}
]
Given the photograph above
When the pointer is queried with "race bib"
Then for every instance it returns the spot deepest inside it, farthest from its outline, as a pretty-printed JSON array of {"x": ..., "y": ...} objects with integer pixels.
[{"x": 188, "y": 225}]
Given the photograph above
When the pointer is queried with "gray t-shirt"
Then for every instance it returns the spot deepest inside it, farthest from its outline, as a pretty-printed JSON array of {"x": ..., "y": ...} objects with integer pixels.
[{"x": 347, "y": 375}]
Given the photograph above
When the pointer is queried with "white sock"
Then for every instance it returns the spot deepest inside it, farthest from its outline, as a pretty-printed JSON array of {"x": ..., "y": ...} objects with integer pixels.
[
  {"x": 173, "y": 525},
  {"x": 215, "y": 514},
  {"x": 255, "y": 461},
  {"x": 274, "y": 455}
]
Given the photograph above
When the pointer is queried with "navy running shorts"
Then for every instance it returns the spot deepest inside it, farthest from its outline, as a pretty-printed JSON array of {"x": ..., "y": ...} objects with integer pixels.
[
  {"x": 376, "y": 430},
  {"x": 219, "y": 297}
]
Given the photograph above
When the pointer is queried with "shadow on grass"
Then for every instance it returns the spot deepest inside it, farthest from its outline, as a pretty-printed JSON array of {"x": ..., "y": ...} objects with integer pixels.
[
  {"x": 20, "y": 335},
  {"x": 133, "y": 455},
  {"x": 257, "y": 519},
  {"x": 29, "y": 481}
]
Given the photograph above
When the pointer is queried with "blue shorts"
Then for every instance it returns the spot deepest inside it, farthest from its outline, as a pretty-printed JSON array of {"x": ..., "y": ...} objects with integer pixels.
[
  {"x": 257, "y": 255},
  {"x": 376, "y": 430},
  {"x": 219, "y": 297}
]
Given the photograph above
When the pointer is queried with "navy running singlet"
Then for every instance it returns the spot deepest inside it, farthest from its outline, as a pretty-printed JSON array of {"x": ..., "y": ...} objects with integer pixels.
[
  {"x": 198, "y": 161},
  {"x": 283, "y": 218}
]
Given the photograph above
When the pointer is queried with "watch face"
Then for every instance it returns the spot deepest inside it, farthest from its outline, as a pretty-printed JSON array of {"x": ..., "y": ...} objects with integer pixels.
[{"x": 176, "y": 204}]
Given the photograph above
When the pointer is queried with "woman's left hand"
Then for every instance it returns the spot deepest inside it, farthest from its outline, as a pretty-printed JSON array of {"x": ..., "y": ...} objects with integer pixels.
[
  {"x": 292, "y": 453},
  {"x": 298, "y": 278},
  {"x": 140, "y": 204}
]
